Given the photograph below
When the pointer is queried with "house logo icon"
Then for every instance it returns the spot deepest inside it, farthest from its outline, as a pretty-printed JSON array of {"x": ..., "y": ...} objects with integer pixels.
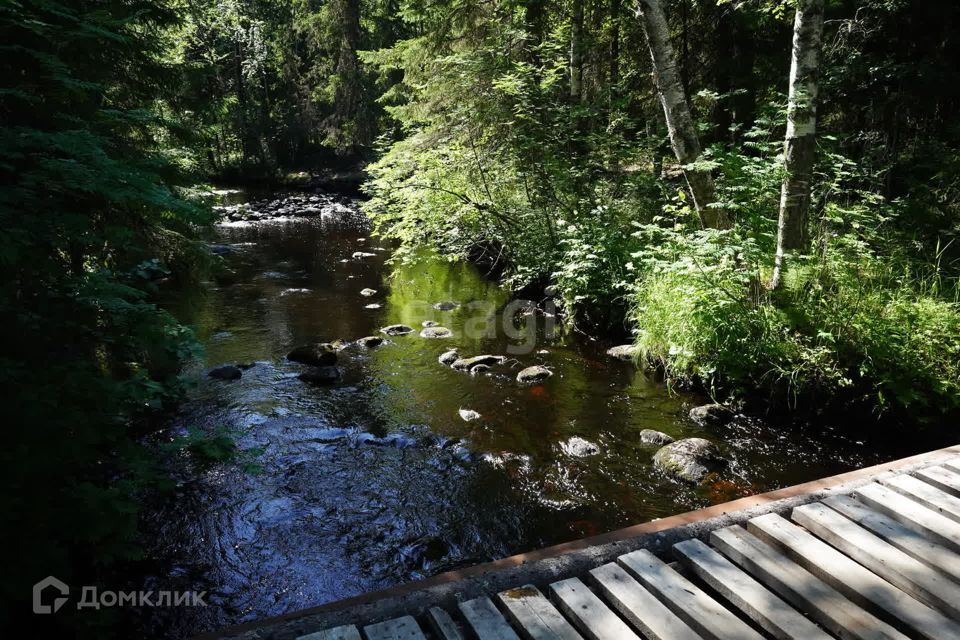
[{"x": 49, "y": 583}]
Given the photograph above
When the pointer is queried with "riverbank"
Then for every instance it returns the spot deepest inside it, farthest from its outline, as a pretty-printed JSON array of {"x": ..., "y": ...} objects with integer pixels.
[{"x": 401, "y": 466}]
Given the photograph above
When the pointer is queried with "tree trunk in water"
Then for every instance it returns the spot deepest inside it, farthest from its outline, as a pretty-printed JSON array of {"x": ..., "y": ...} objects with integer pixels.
[
  {"x": 576, "y": 52},
  {"x": 799, "y": 148},
  {"x": 683, "y": 135}
]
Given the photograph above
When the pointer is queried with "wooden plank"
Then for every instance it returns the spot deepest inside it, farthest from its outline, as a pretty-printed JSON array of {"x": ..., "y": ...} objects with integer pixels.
[
  {"x": 935, "y": 556},
  {"x": 486, "y": 621},
  {"x": 864, "y": 587},
  {"x": 801, "y": 588},
  {"x": 588, "y": 612},
  {"x": 927, "y": 495},
  {"x": 952, "y": 463},
  {"x": 763, "y": 607},
  {"x": 911, "y": 514},
  {"x": 533, "y": 614},
  {"x": 638, "y": 606},
  {"x": 708, "y": 617},
  {"x": 404, "y": 628},
  {"x": 942, "y": 478},
  {"x": 346, "y": 632},
  {"x": 443, "y": 625}
]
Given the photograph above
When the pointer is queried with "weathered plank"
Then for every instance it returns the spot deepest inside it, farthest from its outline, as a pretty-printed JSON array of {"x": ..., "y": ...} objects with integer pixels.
[
  {"x": 942, "y": 478},
  {"x": 864, "y": 587},
  {"x": 588, "y": 612},
  {"x": 912, "y": 514},
  {"x": 346, "y": 632},
  {"x": 533, "y": 614},
  {"x": 935, "y": 556},
  {"x": 704, "y": 614},
  {"x": 801, "y": 588},
  {"x": 404, "y": 628},
  {"x": 443, "y": 625},
  {"x": 639, "y": 606},
  {"x": 486, "y": 621},
  {"x": 760, "y": 604},
  {"x": 952, "y": 463},
  {"x": 926, "y": 494}
]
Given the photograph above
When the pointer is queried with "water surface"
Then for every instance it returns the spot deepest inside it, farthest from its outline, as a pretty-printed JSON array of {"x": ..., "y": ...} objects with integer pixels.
[{"x": 378, "y": 480}]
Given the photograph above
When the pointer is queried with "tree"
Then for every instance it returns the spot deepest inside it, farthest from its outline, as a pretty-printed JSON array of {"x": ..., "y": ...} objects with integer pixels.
[
  {"x": 576, "y": 51},
  {"x": 91, "y": 218},
  {"x": 683, "y": 135},
  {"x": 349, "y": 127},
  {"x": 799, "y": 147}
]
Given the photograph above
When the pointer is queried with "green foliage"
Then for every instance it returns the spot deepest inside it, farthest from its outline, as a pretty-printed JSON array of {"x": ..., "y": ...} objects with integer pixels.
[
  {"x": 860, "y": 320},
  {"x": 493, "y": 156},
  {"x": 91, "y": 217}
]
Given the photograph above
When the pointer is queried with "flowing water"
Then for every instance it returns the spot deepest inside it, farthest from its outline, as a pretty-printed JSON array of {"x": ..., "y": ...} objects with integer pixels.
[{"x": 377, "y": 479}]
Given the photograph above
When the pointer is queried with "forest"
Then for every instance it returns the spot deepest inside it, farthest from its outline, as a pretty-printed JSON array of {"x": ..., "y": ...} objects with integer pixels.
[{"x": 761, "y": 196}]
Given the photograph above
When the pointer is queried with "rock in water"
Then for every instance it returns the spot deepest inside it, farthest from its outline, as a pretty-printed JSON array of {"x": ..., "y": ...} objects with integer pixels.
[
  {"x": 426, "y": 324},
  {"x": 319, "y": 354},
  {"x": 321, "y": 375},
  {"x": 652, "y": 436},
  {"x": 477, "y": 369},
  {"x": 551, "y": 291},
  {"x": 711, "y": 415},
  {"x": 373, "y": 306},
  {"x": 469, "y": 415},
  {"x": 436, "y": 332},
  {"x": 625, "y": 352},
  {"x": 225, "y": 372},
  {"x": 465, "y": 364},
  {"x": 359, "y": 255},
  {"x": 535, "y": 373},
  {"x": 397, "y": 330},
  {"x": 371, "y": 341},
  {"x": 446, "y": 305},
  {"x": 448, "y": 357},
  {"x": 577, "y": 447},
  {"x": 689, "y": 459},
  {"x": 368, "y": 292}
]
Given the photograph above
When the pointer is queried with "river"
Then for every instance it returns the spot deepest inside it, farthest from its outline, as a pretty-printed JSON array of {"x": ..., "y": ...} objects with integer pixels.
[{"x": 377, "y": 479}]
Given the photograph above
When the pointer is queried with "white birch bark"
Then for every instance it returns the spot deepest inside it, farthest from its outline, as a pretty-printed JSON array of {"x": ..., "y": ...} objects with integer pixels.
[
  {"x": 676, "y": 111},
  {"x": 799, "y": 147}
]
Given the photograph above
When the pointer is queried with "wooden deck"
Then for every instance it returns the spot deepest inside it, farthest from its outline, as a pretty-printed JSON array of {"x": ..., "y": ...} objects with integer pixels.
[{"x": 878, "y": 561}]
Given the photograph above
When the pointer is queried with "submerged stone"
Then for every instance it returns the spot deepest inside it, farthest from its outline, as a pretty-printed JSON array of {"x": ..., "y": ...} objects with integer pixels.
[
  {"x": 321, "y": 375},
  {"x": 577, "y": 447},
  {"x": 368, "y": 292},
  {"x": 652, "y": 436},
  {"x": 465, "y": 364},
  {"x": 225, "y": 372},
  {"x": 397, "y": 330},
  {"x": 690, "y": 459},
  {"x": 446, "y": 305},
  {"x": 318, "y": 354},
  {"x": 626, "y": 352},
  {"x": 535, "y": 373},
  {"x": 371, "y": 341},
  {"x": 436, "y": 332},
  {"x": 448, "y": 357},
  {"x": 711, "y": 415}
]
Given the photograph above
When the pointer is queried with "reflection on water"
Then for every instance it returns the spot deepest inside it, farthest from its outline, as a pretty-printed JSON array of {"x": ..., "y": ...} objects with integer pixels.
[{"x": 377, "y": 479}]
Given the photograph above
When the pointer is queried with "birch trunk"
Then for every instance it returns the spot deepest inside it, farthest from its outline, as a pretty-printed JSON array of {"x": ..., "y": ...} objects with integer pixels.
[
  {"x": 576, "y": 52},
  {"x": 683, "y": 135},
  {"x": 799, "y": 148}
]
